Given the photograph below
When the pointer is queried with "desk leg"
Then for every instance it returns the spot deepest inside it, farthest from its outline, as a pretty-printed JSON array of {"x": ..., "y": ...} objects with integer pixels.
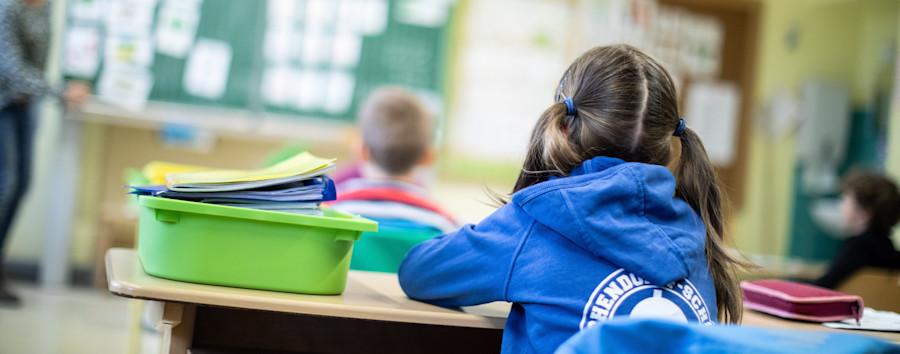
[
  {"x": 176, "y": 321},
  {"x": 183, "y": 334}
]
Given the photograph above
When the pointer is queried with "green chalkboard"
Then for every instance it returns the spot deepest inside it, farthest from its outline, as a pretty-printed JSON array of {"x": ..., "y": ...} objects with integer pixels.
[
  {"x": 400, "y": 53},
  {"x": 231, "y": 21},
  {"x": 404, "y": 54}
]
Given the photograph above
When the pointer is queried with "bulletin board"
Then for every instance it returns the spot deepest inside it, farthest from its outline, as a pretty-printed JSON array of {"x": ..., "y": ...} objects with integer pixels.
[
  {"x": 709, "y": 50},
  {"x": 740, "y": 22},
  {"x": 407, "y": 45}
]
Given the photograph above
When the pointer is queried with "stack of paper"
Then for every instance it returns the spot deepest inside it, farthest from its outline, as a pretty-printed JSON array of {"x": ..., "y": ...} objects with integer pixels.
[{"x": 296, "y": 185}]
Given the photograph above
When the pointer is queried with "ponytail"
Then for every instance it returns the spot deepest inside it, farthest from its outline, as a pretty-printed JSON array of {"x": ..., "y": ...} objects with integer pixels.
[
  {"x": 698, "y": 186},
  {"x": 550, "y": 151}
]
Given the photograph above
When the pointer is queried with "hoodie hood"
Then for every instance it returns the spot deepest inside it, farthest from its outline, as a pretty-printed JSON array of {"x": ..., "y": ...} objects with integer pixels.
[{"x": 623, "y": 212}]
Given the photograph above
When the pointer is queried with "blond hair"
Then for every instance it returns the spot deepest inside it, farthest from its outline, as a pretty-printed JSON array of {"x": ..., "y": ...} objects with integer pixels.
[
  {"x": 627, "y": 108},
  {"x": 396, "y": 129}
]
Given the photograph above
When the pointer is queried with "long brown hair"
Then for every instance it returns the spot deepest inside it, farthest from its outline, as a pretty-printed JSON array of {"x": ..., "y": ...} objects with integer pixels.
[{"x": 627, "y": 108}]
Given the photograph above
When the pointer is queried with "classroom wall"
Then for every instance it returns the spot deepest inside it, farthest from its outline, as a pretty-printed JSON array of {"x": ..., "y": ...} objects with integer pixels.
[
  {"x": 838, "y": 40},
  {"x": 877, "y": 47}
]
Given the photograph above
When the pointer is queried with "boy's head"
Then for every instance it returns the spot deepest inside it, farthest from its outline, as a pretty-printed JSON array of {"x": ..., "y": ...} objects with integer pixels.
[
  {"x": 396, "y": 131},
  {"x": 869, "y": 201}
]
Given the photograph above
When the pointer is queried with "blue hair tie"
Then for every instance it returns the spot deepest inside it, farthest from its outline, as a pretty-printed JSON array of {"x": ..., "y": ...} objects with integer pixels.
[
  {"x": 681, "y": 128},
  {"x": 570, "y": 106}
]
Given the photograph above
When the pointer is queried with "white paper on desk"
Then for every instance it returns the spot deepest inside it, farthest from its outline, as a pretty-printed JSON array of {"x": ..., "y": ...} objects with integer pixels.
[
  {"x": 278, "y": 46},
  {"x": 340, "y": 91},
  {"x": 872, "y": 320},
  {"x": 310, "y": 90},
  {"x": 346, "y": 50},
  {"x": 206, "y": 72},
  {"x": 128, "y": 88},
  {"x": 130, "y": 15},
  {"x": 129, "y": 48},
  {"x": 427, "y": 13},
  {"x": 280, "y": 85},
  {"x": 82, "y": 51},
  {"x": 177, "y": 27},
  {"x": 366, "y": 17},
  {"x": 87, "y": 10},
  {"x": 315, "y": 47},
  {"x": 712, "y": 112}
]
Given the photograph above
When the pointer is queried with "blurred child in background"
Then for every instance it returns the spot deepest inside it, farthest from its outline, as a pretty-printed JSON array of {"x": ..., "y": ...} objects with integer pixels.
[
  {"x": 397, "y": 145},
  {"x": 870, "y": 207}
]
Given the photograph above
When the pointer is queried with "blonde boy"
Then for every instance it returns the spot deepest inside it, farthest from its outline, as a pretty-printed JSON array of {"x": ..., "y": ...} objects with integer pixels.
[{"x": 397, "y": 146}]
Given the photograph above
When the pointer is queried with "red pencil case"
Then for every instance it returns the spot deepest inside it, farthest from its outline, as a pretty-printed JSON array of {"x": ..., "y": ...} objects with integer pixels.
[{"x": 799, "y": 301}]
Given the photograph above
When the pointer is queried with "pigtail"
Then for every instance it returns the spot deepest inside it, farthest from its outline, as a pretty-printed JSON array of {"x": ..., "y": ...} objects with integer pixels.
[
  {"x": 698, "y": 186},
  {"x": 550, "y": 152}
]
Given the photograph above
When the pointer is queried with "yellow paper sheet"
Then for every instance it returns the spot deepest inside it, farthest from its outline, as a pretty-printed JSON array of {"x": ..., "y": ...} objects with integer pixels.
[
  {"x": 300, "y": 164},
  {"x": 156, "y": 171}
]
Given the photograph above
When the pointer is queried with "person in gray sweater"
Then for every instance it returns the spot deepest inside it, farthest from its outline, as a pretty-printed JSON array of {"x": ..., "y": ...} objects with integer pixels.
[{"x": 24, "y": 40}]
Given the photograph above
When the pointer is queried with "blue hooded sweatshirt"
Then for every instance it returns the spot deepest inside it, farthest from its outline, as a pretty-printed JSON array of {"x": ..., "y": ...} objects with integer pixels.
[{"x": 609, "y": 240}]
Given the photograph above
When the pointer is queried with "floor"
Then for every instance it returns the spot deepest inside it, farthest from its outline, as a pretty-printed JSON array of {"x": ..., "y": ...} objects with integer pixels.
[{"x": 78, "y": 320}]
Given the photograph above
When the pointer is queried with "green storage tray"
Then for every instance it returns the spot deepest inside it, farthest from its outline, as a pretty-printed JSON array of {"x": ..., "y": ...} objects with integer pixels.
[{"x": 247, "y": 248}]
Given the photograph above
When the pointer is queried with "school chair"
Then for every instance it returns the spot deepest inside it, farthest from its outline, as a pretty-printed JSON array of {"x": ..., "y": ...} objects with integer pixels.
[
  {"x": 383, "y": 250},
  {"x": 879, "y": 288}
]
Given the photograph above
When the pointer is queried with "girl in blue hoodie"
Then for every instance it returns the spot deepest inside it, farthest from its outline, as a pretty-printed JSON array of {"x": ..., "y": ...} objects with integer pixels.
[{"x": 597, "y": 226}]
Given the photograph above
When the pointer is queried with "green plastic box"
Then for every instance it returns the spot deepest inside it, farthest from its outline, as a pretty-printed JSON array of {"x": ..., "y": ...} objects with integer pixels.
[{"x": 247, "y": 248}]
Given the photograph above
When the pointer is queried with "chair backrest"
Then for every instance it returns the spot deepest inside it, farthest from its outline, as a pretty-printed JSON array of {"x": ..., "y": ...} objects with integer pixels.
[
  {"x": 383, "y": 250},
  {"x": 879, "y": 288}
]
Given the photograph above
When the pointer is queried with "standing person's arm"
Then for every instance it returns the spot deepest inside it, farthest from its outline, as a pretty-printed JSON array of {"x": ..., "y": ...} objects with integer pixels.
[
  {"x": 468, "y": 267},
  {"x": 21, "y": 79}
]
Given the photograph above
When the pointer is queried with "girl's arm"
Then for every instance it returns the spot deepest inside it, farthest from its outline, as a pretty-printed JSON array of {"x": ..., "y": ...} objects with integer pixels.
[{"x": 467, "y": 267}]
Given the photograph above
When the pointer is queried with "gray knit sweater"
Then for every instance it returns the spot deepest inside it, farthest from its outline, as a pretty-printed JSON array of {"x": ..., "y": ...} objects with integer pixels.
[{"x": 24, "y": 37}]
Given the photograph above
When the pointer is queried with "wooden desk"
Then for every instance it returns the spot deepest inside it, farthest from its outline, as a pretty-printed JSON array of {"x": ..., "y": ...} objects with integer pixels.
[
  {"x": 758, "y": 319},
  {"x": 373, "y": 315}
]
